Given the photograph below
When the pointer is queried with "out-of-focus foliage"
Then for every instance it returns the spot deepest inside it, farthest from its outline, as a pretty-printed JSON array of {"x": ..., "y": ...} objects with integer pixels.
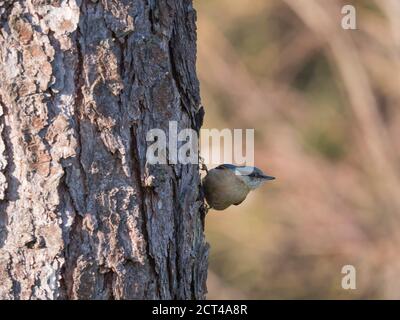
[{"x": 325, "y": 106}]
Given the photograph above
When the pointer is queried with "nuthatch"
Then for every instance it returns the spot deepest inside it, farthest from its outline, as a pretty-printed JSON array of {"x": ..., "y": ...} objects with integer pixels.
[{"x": 228, "y": 184}]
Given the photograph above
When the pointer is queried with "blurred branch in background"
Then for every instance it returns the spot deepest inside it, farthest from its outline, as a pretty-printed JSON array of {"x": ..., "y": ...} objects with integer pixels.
[{"x": 325, "y": 105}]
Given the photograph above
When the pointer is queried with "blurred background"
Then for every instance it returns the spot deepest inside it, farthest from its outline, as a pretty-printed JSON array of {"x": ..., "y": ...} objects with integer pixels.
[{"x": 324, "y": 103}]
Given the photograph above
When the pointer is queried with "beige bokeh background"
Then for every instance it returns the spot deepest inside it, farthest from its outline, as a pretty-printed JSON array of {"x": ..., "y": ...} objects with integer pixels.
[{"x": 324, "y": 103}]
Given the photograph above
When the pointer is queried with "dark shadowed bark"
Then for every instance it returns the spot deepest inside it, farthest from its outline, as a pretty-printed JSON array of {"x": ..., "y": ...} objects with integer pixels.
[{"x": 82, "y": 215}]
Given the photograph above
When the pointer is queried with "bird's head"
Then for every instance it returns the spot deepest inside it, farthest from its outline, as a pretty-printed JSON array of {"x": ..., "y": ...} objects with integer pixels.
[{"x": 251, "y": 176}]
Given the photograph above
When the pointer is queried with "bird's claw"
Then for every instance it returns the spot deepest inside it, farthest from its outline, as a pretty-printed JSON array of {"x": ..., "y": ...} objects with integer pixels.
[{"x": 203, "y": 166}]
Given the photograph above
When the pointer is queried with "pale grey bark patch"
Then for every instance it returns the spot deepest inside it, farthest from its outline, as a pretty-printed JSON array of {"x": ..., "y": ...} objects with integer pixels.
[{"x": 81, "y": 84}]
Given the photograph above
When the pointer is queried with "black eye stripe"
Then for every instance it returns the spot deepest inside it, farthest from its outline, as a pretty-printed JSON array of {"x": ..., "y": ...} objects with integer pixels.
[{"x": 226, "y": 166}]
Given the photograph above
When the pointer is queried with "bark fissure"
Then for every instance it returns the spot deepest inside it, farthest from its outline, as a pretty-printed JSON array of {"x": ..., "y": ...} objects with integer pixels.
[
  {"x": 143, "y": 209},
  {"x": 108, "y": 284},
  {"x": 69, "y": 254},
  {"x": 3, "y": 162},
  {"x": 79, "y": 104},
  {"x": 177, "y": 227}
]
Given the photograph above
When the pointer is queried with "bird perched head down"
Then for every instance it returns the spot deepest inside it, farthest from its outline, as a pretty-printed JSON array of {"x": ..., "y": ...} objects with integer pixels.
[{"x": 228, "y": 184}]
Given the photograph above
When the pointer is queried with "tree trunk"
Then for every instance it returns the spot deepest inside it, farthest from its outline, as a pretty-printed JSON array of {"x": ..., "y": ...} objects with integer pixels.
[{"x": 82, "y": 214}]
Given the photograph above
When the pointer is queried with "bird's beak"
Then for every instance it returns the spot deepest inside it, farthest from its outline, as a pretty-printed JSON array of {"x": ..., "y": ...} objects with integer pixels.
[{"x": 267, "y": 177}]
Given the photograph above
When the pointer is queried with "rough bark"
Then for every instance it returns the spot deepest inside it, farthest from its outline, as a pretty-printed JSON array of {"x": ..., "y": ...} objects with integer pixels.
[{"x": 82, "y": 215}]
